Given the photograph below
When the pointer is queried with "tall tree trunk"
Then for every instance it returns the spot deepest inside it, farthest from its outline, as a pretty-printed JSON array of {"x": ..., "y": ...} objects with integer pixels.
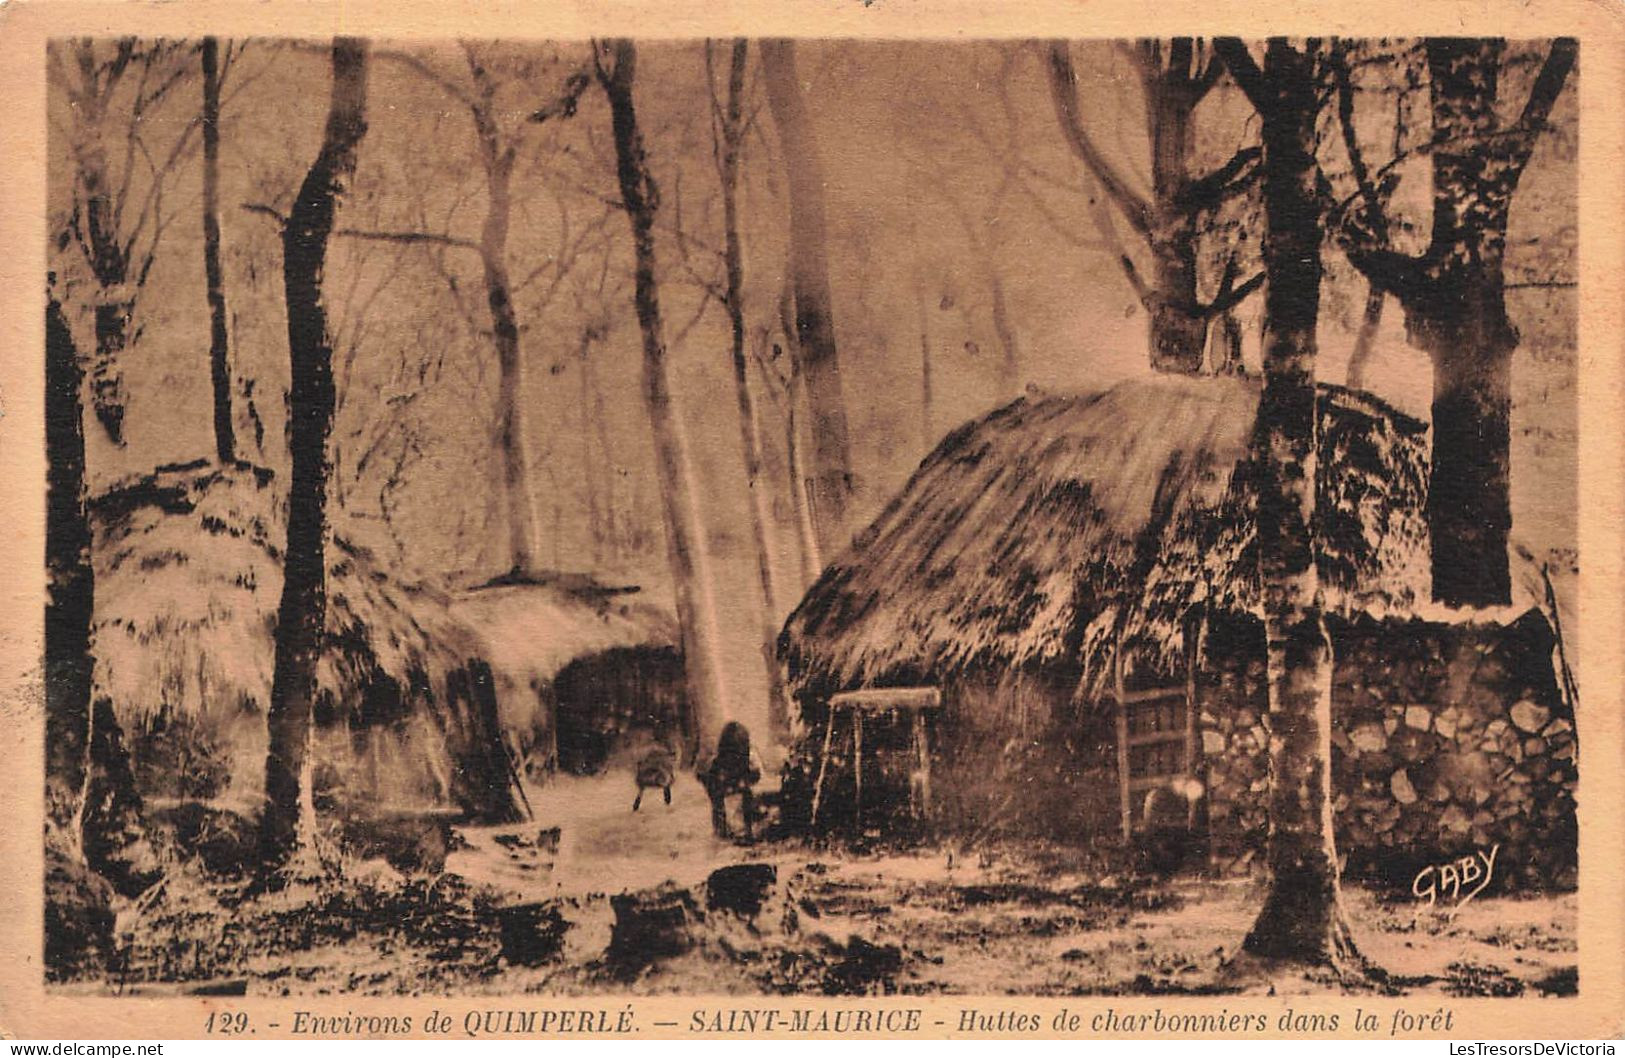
[
  {"x": 1469, "y": 507},
  {"x": 809, "y": 276},
  {"x": 750, "y": 438},
  {"x": 795, "y": 398},
  {"x": 302, "y": 615},
  {"x": 69, "y": 577},
  {"x": 225, "y": 441},
  {"x": 685, "y": 535},
  {"x": 1174, "y": 82},
  {"x": 1365, "y": 340},
  {"x": 109, "y": 263},
  {"x": 1178, "y": 322},
  {"x": 1459, "y": 317},
  {"x": 90, "y": 791},
  {"x": 1302, "y": 920},
  {"x": 1453, "y": 297},
  {"x": 498, "y": 162}
]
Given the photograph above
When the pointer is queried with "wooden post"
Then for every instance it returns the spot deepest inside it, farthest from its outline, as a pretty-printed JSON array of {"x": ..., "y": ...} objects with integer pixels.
[
  {"x": 1125, "y": 802},
  {"x": 823, "y": 762},
  {"x": 923, "y": 748},
  {"x": 857, "y": 769},
  {"x": 1193, "y": 649}
]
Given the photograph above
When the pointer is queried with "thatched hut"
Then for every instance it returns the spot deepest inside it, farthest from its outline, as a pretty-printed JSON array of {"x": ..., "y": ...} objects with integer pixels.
[
  {"x": 1078, "y": 575},
  {"x": 581, "y": 667},
  {"x": 188, "y": 579}
]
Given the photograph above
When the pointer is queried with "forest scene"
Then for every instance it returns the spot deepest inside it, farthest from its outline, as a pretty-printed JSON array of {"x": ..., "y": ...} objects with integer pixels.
[{"x": 826, "y": 517}]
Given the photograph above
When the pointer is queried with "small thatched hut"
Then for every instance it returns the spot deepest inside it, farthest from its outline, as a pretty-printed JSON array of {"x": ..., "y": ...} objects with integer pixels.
[
  {"x": 188, "y": 579},
  {"x": 580, "y": 666},
  {"x": 1078, "y": 576}
]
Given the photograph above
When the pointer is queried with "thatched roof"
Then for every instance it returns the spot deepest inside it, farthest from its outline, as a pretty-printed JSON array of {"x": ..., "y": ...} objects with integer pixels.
[
  {"x": 188, "y": 569},
  {"x": 531, "y": 628},
  {"x": 1031, "y": 536}
]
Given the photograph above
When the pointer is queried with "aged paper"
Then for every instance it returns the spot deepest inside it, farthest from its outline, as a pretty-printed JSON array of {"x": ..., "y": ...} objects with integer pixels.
[{"x": 812, "y": 520}]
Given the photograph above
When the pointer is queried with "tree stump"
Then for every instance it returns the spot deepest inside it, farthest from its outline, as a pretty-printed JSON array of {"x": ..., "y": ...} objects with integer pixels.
[
  {"x": 740, "y": 888},
  {"x": 649, "y": 925},
  {"x": 531, "y": 933}
]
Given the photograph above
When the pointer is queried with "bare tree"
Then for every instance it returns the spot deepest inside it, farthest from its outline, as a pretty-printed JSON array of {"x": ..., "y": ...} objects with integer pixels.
[
  {"x": 301, "y": 616},
  {"x": 1175, "y": 76},
  {"x": 90, "y": 792},
  {"x": 616, "y": 65},
  {"x": 214, "y": 71},
  {"x": 1302, "y": 920},
  {"x": 498, "y": 150},
  {"x": 730, "y": 128},
  {"x": 118, "y": 218},
  {"x": 820, "y": 367},
  {"x": 1453, "y": 294},
  {"x": 781, "y": 372}
]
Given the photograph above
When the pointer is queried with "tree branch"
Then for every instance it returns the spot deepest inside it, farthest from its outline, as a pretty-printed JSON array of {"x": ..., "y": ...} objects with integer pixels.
[
  {"x": 1245, "y": 72},
  {"x": 1204, "y": 82},
  {"x": 264, "y": 210},
  {"x": 1229, "y": 299},
  {"x": 1351, "y": 141},
  {"x": 564, "y": 106},
  {"x": 1063, "y": 82},
  {"x": 1543, "y": 96},
  {"x": 1388, "y": 270},
  {"x": 1208, "y": 191},
  {"x": 409, "y": 238},
  {"x": 428, "y": 73}
]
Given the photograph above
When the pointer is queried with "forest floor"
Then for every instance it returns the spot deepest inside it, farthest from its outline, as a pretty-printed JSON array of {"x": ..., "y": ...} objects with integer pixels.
[{"x": 528, "y": 909}]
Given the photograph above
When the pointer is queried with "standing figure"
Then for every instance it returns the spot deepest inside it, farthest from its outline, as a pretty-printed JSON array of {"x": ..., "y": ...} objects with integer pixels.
[
  {"x": 656, "y": 769},
  {"x": 734, "y": 770}
]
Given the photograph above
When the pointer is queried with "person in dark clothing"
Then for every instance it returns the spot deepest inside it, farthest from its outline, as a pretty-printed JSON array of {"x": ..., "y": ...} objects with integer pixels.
[{"x": 735, "y": 769}]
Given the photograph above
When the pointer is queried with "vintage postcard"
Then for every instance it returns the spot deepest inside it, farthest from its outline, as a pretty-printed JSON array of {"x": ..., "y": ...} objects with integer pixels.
[{"x": 850, "y": 519}]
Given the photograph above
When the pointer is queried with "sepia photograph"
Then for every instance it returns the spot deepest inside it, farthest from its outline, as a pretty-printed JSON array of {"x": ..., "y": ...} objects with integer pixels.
[{"x": 813, "y": 517}]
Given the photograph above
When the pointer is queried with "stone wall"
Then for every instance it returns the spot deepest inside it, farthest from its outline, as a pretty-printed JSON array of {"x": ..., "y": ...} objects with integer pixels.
[{"x": 1446, "y": 739}]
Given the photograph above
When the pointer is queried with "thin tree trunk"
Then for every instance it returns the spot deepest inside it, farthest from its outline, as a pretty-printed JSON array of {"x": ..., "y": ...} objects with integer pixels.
[
  {"x": 592, "y": 477},
  {"x": 809, "y": 276},
  {"x": 1004, "y": 330},
  {"x": 1365, "y": 340},
  {"x": 1227, "y": 338},
  {"x": 1302, "y": 920},
  {"x": 750, "y": 439},
  {"x": 498, "y": 162},
  {"x": 685, "y": 536},
  {"x": 225, "y": 441},
  {"x": 301, "y": 617},
  {"x": 812, "y": 562},
  {"x": 928, "y": 435},
  {"x": 606, "y": 451}
]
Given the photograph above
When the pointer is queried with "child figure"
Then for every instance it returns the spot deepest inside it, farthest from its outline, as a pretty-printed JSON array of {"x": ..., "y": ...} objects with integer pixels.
[{"x": 734, "y": 770}]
